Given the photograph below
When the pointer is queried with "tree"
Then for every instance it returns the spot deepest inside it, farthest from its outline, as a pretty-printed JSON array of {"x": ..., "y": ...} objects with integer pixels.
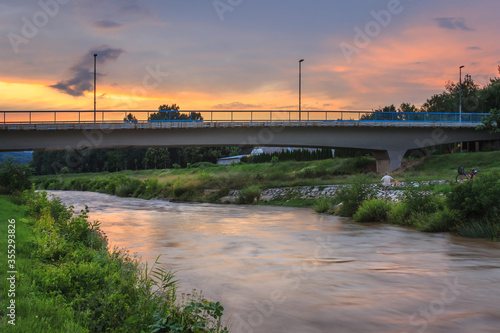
[
  {"x": 130, "y": 118},
  {"x": 174, "y": 114},
  {"x": 14, "y": 177},
  {"x": 491, "y": 123},
  {"x": 156, "y": 158}
]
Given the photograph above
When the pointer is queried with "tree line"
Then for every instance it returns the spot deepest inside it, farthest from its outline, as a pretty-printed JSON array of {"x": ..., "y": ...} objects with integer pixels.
[
  {"x": 475, "y": 99},
  {"x": 112, "y": 160}
]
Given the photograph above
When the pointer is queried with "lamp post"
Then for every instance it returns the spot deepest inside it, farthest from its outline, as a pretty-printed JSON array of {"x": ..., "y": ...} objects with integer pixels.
[
  {"x": 300, "y": 86},
  {"x": 95, "y": 60},
  {"x": 460, "y": 102}
]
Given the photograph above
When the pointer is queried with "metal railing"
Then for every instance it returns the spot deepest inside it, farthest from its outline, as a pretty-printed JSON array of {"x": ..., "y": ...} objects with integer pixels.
[{"x": 230, "y": 116}]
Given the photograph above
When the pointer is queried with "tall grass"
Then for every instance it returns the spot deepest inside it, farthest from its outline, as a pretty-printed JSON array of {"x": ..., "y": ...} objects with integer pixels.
[{"x": 69, "y": 281}]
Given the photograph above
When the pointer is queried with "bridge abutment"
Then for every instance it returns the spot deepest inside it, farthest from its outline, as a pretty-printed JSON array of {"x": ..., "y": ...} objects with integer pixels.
[{"x": 388, "y": 160}]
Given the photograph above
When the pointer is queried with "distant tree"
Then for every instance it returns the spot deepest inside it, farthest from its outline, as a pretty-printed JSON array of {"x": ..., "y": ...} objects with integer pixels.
[
  {"x": 174, "y": 114},
  {"x": 156, "y": 158},
  {"x": 130, "y": 118},
  {"x": 404, "y": 107}
]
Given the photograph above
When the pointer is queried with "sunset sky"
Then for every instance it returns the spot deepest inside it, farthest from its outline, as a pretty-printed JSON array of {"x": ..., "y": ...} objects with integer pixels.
[{"x": 241, "y": 54}]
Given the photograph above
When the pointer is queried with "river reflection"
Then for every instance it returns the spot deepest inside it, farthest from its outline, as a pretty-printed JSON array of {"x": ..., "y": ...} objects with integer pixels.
[{"x": 281, "y": 269}]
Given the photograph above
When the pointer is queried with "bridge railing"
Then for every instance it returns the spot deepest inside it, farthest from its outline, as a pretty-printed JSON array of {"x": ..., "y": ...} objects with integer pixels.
[{"x": 225, "y": 116}]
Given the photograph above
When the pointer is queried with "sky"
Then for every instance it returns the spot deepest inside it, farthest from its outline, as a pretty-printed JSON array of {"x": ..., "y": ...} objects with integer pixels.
[{"x": 240, "y": 54}]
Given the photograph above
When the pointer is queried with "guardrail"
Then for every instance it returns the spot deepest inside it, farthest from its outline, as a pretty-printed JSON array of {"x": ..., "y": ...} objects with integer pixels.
[{"x": 221, "y": 116}]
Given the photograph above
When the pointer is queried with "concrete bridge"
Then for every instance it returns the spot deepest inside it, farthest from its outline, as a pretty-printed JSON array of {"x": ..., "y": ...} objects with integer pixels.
[{"x": 389, "y": 139}]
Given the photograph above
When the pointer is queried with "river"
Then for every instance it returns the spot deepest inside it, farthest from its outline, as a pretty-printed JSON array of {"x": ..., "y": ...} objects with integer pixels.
[{"x": 280, "y": 269}]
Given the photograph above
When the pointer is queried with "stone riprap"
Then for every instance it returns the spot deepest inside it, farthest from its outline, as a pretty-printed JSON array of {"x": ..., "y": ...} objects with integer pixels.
[{"x": 320, "y": 191}]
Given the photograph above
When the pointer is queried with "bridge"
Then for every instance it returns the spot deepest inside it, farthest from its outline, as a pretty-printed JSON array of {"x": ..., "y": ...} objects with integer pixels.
[{"x": 389, "y": 135}]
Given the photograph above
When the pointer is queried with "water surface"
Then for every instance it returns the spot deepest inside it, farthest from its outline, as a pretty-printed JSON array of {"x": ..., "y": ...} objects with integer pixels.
[{"x": 279, "y": 269}]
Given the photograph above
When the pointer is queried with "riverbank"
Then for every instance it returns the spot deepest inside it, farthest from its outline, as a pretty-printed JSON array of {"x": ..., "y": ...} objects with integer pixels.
[
  {"x": 317, "y": 184},
  {"x": 63, "y": 278}
]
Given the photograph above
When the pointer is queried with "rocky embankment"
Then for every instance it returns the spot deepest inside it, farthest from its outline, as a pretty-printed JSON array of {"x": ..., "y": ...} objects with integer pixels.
[{"x": 320, "y": 191}]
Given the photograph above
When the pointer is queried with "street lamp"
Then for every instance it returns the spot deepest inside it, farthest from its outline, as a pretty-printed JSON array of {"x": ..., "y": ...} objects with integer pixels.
[
  {"x": 300, "y": 84},
  {"x": 460, "y": 102},
  {"x": 95, "y": 59}
]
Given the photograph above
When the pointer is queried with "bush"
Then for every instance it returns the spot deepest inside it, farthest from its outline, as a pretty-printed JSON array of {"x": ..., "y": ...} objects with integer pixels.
[
  {"x": 421, "y": 199},
  {"x": 439, "y": 221},
  {"x": 476, "y": 200},
  {"x": 484, "y": 228},
  {"x": 14, "y": 177},
  {"x": 373, "y": 210},
  {"x": 353, "y": 195},
  {"x": 95, "y": 290},
  {"x": 399, "y": 214},
  {"x": 325, "y": 205},
  {"x": 249, "y": 194}
]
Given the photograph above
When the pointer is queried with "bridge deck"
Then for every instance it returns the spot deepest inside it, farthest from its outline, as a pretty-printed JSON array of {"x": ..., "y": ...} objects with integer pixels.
[{"x": 199, "y": 124}]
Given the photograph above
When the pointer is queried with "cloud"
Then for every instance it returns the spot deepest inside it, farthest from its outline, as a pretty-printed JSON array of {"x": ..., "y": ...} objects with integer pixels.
[
  {"x": 236, "y": 106},
  {"x": 453, "y": 23},
  {"x": 474, "y": 48},
  {"x": 107, "y": 24},
  {"x": 82, "y": 74}
]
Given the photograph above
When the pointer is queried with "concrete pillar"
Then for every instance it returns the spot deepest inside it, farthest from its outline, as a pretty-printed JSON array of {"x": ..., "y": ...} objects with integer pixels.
[{"x": 388, "y": 160}]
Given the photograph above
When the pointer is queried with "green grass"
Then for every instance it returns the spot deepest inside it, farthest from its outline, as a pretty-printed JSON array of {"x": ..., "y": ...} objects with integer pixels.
[
  {"x": 190, "y": 184},
  {"x": 445, "y": 167},
  {"x": 68, "y": 281}
]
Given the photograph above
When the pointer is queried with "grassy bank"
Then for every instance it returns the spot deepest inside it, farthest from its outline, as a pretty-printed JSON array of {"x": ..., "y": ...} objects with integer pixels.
[
  {"x": 470, "y": 209},
  {"x": 205, "y": 182},
  {"x": 68, "y": 281}
]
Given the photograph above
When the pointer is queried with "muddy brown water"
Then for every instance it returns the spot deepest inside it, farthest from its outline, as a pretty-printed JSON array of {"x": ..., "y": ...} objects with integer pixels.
[{"x": 279, "y": 269}]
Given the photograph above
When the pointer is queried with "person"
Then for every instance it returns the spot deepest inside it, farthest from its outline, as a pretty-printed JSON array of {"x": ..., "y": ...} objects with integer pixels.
[{"x": 386, "y": 181}]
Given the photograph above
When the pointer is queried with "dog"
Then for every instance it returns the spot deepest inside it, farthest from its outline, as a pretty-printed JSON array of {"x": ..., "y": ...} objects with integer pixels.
[{"x": 397, "y": 183}]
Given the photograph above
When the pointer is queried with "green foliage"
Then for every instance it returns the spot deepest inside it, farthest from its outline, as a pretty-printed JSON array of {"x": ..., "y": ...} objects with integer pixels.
[
  {"x": 484, "y": 228},
  {"x": 420, "y": 198},
  {"x": 249, "y": 194},
  {"x": 72, "y": 283},
  {"x": 399, "y": 214},
  {"x": 353, "y": 195},
  {"x": 14, "y": 177},
  {"x": 491, "y": 123},
  {"x": 439, "y": 221},
  {"x": 373, "y": 210},
  {"x": 325, "y": 205},
  {"x": 478, "y": 199}
]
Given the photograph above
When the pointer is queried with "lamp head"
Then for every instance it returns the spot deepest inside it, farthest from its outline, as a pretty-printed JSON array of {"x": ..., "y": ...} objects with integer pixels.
[
  {"x": 301, "y": 60},
  {"x": 462, "y": 66}
]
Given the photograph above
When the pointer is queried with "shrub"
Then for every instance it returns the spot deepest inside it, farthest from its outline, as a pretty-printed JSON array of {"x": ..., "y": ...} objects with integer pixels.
[
  {"x": 373, "y": 210},
  {"x": 484, "y": 228},
  {"x": 353, "y": 195},
  {"x": 421, "y": 199},
  {"x": 325, "y": 205},
  {"x": 476, "y": 199},
  {"x": 399, "y": 214},
  {"x": 249, "y": 194},
  {"x": 14, "y": 177},
  {"x": 439, "y": 221}
]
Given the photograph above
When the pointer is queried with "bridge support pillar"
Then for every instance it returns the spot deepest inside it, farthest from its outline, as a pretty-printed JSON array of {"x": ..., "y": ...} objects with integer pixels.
[{"x": 388, "y": 160}]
